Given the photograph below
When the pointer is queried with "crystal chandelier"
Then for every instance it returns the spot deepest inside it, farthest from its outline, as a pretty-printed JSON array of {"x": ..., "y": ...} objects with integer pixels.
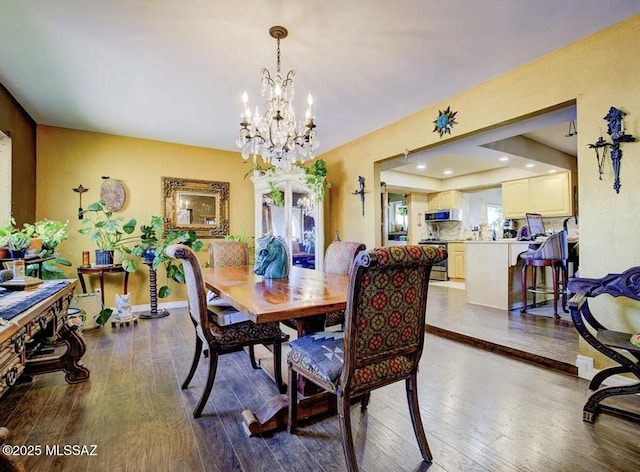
[{"x": 275, "y": 135}]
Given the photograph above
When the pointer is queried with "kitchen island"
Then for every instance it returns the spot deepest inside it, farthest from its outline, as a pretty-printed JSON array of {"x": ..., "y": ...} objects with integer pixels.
[{"x": 493, "y": 273}]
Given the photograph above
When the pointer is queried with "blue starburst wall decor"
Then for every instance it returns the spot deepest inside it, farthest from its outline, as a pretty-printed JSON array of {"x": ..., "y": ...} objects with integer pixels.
[{"x": 445, "y": 121}]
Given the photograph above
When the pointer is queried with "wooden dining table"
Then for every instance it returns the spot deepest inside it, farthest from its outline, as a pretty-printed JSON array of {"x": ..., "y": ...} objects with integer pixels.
[{"x": 306, "y": 295}]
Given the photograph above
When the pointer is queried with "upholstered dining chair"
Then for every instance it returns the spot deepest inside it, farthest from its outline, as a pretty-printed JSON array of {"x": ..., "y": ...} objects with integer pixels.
[
  {"x": 225, "y": 253},
  {"x": 215, "y": 338},
  {"x": 337, "y": 260},
  {"x": 382, "y": 341}
]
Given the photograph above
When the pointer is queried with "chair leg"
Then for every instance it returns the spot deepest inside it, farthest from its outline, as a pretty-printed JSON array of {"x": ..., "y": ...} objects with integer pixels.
[
  {"x": 293, "y": 400},
  {"x": 523, "y": 287},
  {"x": 364, "y": 402},
  {"x": 344, "y": 413},
  {"x": 211, "y": 376},
  {"x": 555, "y": 280},
  {"x": 565, "y": 276},
  {"x": 277, "y": 366},
  {"x": 252, "y": 357},
  {"x": 194, "y": 363},
  {"x": 414, "y": 411}
]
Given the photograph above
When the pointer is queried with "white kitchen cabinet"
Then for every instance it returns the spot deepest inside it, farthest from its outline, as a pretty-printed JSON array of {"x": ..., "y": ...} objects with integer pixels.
[
  {"x": 550, "y": 195},
  {"x": 515, "y": 198},
  {"x": 457, "y": 260},
  {"x": 285, "y": 205},
  {"x": 445, "y": 200}
]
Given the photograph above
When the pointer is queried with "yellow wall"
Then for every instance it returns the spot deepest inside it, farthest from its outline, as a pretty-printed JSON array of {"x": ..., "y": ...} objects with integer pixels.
[
  {"x": 598, "y": 72},
  {"x": 68, "y": 158}
]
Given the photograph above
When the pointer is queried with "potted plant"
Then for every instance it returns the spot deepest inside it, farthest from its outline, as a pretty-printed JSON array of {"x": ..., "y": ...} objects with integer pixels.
[
  {"x": 19, "y": 241},
  {"x": 151, "y": 246},
  {"x": 110, "y": 233},
  {"x": 52, "y": 233},
  {"x": 6, "y": 228}
]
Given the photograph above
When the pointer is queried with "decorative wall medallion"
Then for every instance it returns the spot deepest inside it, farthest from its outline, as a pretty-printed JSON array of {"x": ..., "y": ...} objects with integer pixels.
[
  {"x": 444, "y": 122},
  {"x": 112, "y": 192}
]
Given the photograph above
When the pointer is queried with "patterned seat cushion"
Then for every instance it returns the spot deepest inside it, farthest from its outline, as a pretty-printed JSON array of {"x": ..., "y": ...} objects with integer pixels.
[
  {"x": 322, "y": 354},
  {"x": 246, "y": 332}
]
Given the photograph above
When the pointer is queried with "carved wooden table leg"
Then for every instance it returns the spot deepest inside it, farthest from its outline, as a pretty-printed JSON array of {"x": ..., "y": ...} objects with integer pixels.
[
  {"x": 272, "y": 416},
  {"x": 69, "y": 361}
]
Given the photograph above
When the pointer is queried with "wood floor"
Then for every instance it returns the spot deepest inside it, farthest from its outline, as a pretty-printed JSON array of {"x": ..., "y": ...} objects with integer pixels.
[{"x": 482, "y": 411}]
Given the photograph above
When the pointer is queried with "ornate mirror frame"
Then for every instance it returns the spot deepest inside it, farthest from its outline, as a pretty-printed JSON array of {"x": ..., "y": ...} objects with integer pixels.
[{"x": 196, "y": 205}]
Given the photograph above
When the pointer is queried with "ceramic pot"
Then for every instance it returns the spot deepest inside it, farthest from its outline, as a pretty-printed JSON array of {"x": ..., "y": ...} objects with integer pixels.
[
  {"x": 104, "y": 257},
  {"x": 17, "y": 253},
  {"x": 4, "y": 253},
  {"x": 149, "y": 255}
]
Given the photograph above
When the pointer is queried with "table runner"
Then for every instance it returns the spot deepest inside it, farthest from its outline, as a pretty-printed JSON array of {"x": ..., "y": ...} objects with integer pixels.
[{"x": 12, "y": 303}]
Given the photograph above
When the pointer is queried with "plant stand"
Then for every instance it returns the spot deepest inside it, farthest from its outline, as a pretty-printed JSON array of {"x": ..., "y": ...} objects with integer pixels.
[{"x": 153, "y": 293}]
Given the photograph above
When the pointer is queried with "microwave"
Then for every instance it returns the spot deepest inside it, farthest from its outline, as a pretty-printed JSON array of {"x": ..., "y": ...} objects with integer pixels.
[{"x": 454, "y": 214}]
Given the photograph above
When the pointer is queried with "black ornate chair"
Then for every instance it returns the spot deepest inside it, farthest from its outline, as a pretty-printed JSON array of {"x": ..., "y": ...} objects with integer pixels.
[
  {"x": 220, "y": 339},
  {"x": 609, "y": 342},
  {"x": 382, "y": 341}
]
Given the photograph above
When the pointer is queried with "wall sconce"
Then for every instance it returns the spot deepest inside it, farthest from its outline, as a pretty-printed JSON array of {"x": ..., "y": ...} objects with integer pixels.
[
  {"x": 615, "y": 129},
  {"x": 80, "y": 189},
  {"x": 360, "y": 191}
]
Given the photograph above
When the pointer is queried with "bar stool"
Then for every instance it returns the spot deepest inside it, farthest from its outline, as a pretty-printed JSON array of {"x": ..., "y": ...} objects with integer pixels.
[{"x": 553, "y": 253}]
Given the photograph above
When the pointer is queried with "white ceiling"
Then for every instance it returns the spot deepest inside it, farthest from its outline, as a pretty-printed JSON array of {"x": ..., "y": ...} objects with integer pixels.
[{"x": 174, "y": 70}]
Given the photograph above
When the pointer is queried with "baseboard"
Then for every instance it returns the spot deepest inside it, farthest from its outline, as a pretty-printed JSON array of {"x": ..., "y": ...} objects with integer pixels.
[{"x": 586, "y": 370}]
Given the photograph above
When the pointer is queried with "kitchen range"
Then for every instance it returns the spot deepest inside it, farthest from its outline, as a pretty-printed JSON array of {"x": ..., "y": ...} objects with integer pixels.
[{"x": 438, "y": 271}]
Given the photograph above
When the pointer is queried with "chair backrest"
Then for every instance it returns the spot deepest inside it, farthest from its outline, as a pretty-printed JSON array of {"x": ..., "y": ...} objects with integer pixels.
[
  {"x": 385, "y": 315},
  {"x": 228, "y": 253},
  {"x": 196, "y": 295},
  {"x": 339, "y": 255},
  {"x": 555, "y": 247}
]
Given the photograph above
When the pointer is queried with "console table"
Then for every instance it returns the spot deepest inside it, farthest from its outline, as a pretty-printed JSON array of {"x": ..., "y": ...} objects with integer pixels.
[
  {"x": 45, "y": 318},
  {"x": 100, "y": 271},
  {"x": 37, "y": 260},
  {"x": 606, "y": 341}
]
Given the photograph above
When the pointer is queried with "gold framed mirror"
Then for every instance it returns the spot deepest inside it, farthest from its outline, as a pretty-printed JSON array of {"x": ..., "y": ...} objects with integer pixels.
[{"x": 196, "y": 205}]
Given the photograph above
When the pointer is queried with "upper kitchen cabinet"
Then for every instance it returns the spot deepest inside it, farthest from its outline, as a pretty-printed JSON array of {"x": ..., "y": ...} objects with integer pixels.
[
  {"x": 550, "y": 195},
  {"x": 445, "y": 200},
  {"x": 515, "y": 198}
]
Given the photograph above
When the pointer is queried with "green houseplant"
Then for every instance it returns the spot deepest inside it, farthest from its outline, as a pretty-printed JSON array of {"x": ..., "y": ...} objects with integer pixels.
[
  {"x": 52, "y": 233},
  {"x": 150, "y": 246},
  {"x": 110, "y": 233},
  {"x": 18, "y": 242},
  {"x": 6, "y": 228}
]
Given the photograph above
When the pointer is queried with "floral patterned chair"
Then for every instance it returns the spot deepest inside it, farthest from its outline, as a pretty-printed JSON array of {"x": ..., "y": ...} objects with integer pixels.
[
  {"x": 220, "y": 339},
  {"x": 337, "y": 260},
  {"x": 382, "y": 341}
]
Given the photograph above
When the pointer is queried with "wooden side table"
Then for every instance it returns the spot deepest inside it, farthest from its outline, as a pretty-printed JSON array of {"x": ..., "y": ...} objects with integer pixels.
[{"x": 100, "y": 271}]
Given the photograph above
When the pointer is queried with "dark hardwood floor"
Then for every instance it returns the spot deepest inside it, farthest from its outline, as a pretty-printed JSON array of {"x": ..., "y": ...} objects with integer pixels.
[{"x": 482, "y": 411}]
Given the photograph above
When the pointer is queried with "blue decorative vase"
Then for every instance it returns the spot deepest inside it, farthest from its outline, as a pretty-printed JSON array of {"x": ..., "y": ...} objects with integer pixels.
[
  {"x": 105, "y": 257},
  {"x": 17, "y": 253},
  {"x": 149, "y": 255}
]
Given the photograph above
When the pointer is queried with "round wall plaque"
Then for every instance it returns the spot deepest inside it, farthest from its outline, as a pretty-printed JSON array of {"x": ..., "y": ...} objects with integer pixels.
[{"x": 112, "y": 192}]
